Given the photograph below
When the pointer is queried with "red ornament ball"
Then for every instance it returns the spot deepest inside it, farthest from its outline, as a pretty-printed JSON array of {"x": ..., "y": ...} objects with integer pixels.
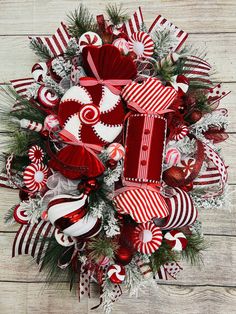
[
  {"x": 124, "y": 255},
  {"x": 173, "y": 176},
  {"x": 88, "y": 186},
  {"x": 195, "y": 116},
  {"x": 111, "y": 163},
  {"x": 187, "y": 187}
]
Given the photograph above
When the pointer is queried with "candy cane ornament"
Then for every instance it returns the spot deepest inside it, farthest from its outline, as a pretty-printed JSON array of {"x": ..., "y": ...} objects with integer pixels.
[
  {"x": 31, "y": 125},
  {"x": 39, "y": 71},
  {"x": 20, "y": 215}
]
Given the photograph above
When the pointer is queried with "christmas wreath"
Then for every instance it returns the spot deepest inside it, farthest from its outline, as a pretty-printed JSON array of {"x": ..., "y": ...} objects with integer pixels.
[{"x": 111, "y": 142}]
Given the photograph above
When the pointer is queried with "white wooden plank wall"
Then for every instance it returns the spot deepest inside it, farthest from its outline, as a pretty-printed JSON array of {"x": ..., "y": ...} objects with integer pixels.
[{"x": 211, "y": 289}]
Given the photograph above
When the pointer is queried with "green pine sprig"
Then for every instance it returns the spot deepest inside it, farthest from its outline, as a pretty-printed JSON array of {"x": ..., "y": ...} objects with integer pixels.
[
  {"x": 8, "y": 217},
  {"x": 102, "y": 246},
  {"x": 81, "y": 21},
  {"x": 40, "y": 50},
  {"x": 116, "y": 14}
]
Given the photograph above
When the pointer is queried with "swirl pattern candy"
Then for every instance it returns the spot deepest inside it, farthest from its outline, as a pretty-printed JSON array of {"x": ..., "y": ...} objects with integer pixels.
[
  {"x": 141, "y": 44},
  {"x": 147, "y": 238},
  {"x": 173, "y": 157},
  {"x": 89, "y": 38},
  {"x": 116, "y": 273},
  {"x": 35, "y": 176},
  {"x": 122, "y": 45},
  {"x": 176, "y": 240},
  {"x": 116, "y": 151},
  {"x": 69, "y": 214},
  {"x": 51, "y": 121},
  {"x": 47, "y": 97},
  {"x": 20, "y": 215},
  {"x": 36, "y": 154},
  {"x": 39, "y": 71},
  {"x": 180, "y": 132},
  {"x": 89, "y": 114}
]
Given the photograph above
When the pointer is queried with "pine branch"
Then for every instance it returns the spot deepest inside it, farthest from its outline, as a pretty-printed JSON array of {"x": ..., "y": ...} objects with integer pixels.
[
  {"x": 8, "y": 218},
  {"x": 81, "y": 21},
  {"x": 101, "y": 247},
  {"x": 193, "y": 252},
  {"x": 116, "y": 14},
  {"x": 40, "y": 50}
]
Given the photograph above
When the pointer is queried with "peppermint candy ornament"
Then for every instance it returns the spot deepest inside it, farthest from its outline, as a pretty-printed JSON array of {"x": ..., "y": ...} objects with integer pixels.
[
  {"x": 35, "y": 176},
  {"x": 173, "y": 157},
  {"x": 122, "y": 45},
  {"x": 47, "y": 97},
  {"x": 90, "y": 118},
  {"x": 20, "y": 215},
  {"x": 89, "y": 38},
  {"x": 116, "y": 273},
  {"x": 39, "y": 71},
  {"x": 51, "y": 122},
  {"x": 176, "y": 240},
  {"x": 180, "y": 84},
  {"x": 116, "y": 151},
  {"x": 36, "y": 154},
  {"x": 180, "y": 132},
  {"x": 147, "y": 238},
  {"x": 69, "y": 214},
  {"x": 141, "y": 44}
]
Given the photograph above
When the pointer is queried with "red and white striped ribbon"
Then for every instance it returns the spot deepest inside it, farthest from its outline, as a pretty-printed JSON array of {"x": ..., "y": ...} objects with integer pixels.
[
  {"x": 57, "y": 43},
  {"x": 210, "y": 177},
  {"x": 29, "y": 239},
  {"x": 161, "y": 23},
  {"x": 21, "y": 85},
  {"x": 135, "y": 23},
  {"x": 151, "y": 95},
  {"x": 197, "y": 69},
  {"x": 141, "y": 204}
]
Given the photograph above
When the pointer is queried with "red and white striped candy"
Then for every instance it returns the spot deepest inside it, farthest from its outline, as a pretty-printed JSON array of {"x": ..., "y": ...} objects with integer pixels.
[
  {"x": 39, "y": 71},
  {"x": 176, "y": 240},
  {"x": 35, "y": 176},
  {"x": 116, "y": 273},
  {"x": 36, "y": 154},
  {"x": 31, "y": 125},
  {"x": 50, "y": 122},
  {"x": 147, "y": 238},
  {"x": 180, "y": 132},
  {"x": 141, "y": 44},
  {"x": 47, "y": 97},
  {"x": 89, "y": 38},
  {"x": 116, "y": 151},
  {"x": 172, "y": 157},
  {"x": 122, "y": 45},
  {"x": 69, "y": 214},
  {"x": 180, "y": 84},
  {"x": 63, "y": 239},
  {"x": 20, "y": 215}
]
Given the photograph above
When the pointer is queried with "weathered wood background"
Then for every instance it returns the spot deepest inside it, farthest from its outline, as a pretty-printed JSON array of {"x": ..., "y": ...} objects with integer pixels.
[{"x": 211, "y": 289}]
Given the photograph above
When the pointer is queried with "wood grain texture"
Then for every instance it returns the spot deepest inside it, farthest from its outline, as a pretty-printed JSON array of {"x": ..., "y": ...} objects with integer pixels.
[
  {"x": 34, "y": 17},
  {"x": 211, "y": 289}
]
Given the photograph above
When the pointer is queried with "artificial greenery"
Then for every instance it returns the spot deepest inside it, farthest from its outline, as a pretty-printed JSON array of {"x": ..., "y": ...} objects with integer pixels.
[
  {"x": 8, "y": 218},
  {"x": 116, "y": 14},
  {"x": 40, "y": 50},
  {"x": 81, "y": 21},
  {"x": 102, "y": 246}
]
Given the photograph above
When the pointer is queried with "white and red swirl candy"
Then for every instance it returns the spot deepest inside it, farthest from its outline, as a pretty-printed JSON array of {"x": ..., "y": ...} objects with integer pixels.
[
  {"x": 116, "y": 151},
  {"x": 69, "y": 214},
  {"x": 51, "y": 122},
  {"x": 47, "y": 97},
  {"x": 116, "y": 273},
  {"x": 36, "y": 154},
  {"x": 172, "y": 156},
  {"x": 20, "y": 215},
  {"x": 39, "y": 71},
  {"x": 147, "y": 238},
  {"x": 95, "y": 118},
  {"x": 122, "y": 45},
  {"x": 35, "y": 176},
  {"x": 176, "y": 240},
  {"x": 180, "y": 132},
  {"x": 89, "y": 38},
  {"x": 141, "y": 44}
]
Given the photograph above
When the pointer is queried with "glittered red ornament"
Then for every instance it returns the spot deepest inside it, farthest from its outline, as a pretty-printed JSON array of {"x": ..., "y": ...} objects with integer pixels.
[
  {"x": 195, "y": 116},
  {"x": 88, "y": 186},
  {"x": 173, "y": 176},
  {"x": 123, "y": 255},
  {"x": 187, "y": 187}
]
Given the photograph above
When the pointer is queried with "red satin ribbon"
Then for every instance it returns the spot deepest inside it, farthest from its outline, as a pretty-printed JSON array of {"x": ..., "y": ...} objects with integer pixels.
[
  {"x": 92, "y": 81},
  {"x": 129, "y": 186}
]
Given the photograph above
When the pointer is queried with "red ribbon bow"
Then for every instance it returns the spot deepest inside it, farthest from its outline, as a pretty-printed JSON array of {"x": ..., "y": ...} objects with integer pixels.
[{"x": 109, "y": 83}]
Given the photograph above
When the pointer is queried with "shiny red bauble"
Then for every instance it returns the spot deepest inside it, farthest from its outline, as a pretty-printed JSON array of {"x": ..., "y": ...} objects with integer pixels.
[
  {"x": 88, "y": 186},
  {"x": 124, "y": 255},
  {"x": 174, "y": 176},
  {"x": 195, "y": 116}
]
